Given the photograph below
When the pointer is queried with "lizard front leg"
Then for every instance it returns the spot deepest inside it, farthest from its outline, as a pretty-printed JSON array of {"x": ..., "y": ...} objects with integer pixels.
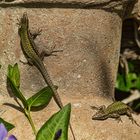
[
  {"x": 116, "y": 116},
  {"x": 44, "y": 51},
  {"x": 35, "y": 33}
]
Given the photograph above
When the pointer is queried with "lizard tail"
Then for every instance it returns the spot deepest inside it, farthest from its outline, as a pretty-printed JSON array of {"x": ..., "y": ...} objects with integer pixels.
[
  {"x": 56, "y": 96},
  {"x": 49, "y": 82}
]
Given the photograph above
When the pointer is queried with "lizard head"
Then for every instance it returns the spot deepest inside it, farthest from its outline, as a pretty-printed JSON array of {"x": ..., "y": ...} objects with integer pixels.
[
  {"x": 24, "y": 22},
  {"x": 100, "y": 115}
]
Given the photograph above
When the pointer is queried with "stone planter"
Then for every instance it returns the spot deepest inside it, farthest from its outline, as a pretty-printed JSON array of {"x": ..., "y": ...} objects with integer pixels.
[{"x": 89, "y": 33}]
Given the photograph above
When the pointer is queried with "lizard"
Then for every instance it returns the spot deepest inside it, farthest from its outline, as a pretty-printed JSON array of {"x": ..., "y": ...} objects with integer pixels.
[
  {"x": 33, "y": 57},
  {"x": 114, "y": 110}
]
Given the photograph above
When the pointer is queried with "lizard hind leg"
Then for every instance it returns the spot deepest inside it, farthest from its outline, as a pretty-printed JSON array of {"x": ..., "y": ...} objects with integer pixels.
[
  {"x": 131, "y": 118},
  {"x": 28, "y": 62},
  {"x": 134, "y": 121}
]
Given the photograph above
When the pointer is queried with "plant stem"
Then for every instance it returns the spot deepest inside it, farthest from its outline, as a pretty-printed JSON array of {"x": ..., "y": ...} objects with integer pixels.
[{"x": 28, "y": 115}]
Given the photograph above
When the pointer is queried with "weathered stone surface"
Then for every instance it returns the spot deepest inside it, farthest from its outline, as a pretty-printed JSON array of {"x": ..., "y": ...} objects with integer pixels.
[
  {"x": 111, "y": 5},
  {"x": 85, "y": 71}
]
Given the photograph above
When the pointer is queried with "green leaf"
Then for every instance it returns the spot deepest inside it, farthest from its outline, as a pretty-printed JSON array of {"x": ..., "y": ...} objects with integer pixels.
[
  {"x": 137, "y": 83},
  {"x": 130, "y": 78},
  {"x": 121, "y": 83},
  {"x": 58, "y": 122},
  {"x": 13, "y": 79},
  {"x": 17, "y": 92},
  {"x": 14, "y": 74},
  {"x": 127, "y": 82},
  {"x": 41, "y": 98},
  {"x": 8, "y": 125}
]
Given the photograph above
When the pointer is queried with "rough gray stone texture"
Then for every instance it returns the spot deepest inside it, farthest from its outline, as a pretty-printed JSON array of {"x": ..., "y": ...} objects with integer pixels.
[
  {"x": 85, "y": 2},
  {"x": 104, "y": 4},
  {"x": 85, "y": 71}
]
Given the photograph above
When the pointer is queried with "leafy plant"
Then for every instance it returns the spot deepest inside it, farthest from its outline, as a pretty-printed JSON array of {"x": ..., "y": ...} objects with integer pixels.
[
  {"x": 57, "y": 126},
  {"x": 128, "y": 81},
  {"x": 4, "y": 127}
]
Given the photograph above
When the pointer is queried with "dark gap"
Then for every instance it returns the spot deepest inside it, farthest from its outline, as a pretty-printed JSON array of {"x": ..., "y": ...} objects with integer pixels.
[{"x": 128, "y": 42}]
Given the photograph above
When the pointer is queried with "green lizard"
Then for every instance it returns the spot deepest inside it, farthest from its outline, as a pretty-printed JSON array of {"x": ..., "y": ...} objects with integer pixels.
[
  {"x": 32, "y": 55},
  {"x": 34, "y": 58},
  {"x": 114, "y": 110}
]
